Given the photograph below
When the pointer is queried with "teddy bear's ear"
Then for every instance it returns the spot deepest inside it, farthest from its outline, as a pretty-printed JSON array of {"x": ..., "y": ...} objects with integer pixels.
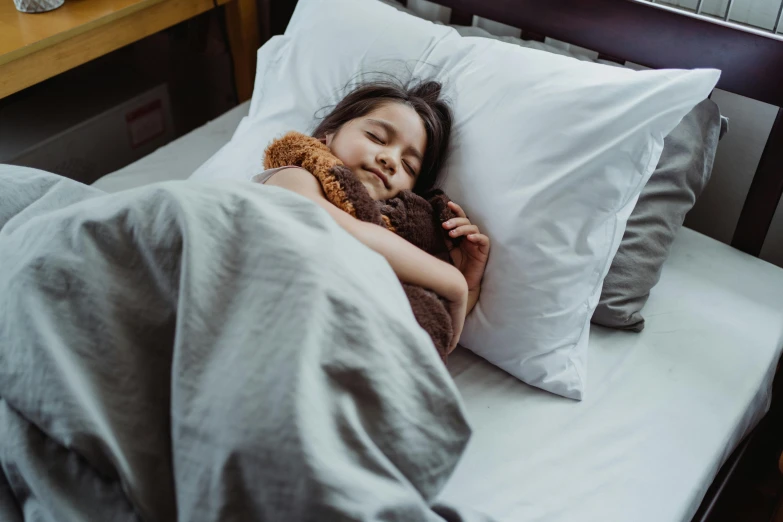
[
  {"x": 282, "y": 151},
  {"x": 298, "y": 149}
]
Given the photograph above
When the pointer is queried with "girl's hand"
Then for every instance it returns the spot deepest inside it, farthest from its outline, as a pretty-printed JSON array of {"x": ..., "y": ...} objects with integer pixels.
[{"x": 470, "y": 257}]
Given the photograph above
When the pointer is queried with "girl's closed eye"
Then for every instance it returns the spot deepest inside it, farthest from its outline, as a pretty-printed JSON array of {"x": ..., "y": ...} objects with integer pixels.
[
  {"x": 375, "y": 138},
  {"x": 378, "y": 139}
]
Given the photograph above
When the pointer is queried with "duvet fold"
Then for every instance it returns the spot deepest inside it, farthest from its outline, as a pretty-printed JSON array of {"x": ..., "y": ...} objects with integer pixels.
[{"x": 210, "y": 351}]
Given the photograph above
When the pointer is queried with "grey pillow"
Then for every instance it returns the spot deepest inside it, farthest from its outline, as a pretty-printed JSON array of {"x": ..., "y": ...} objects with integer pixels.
[{"x": 681, "y": 175}]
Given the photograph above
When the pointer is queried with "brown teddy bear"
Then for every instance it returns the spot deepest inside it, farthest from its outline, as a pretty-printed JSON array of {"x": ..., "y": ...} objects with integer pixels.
[{"x": 414, "y": 218}]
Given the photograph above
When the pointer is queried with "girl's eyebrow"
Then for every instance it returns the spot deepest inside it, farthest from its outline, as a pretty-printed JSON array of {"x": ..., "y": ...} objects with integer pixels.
[{"x": 389, "y": 128}]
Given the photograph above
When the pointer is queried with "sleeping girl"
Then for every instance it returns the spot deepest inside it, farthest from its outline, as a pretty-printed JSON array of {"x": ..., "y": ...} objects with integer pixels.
[{"x": 394, "y": 137}]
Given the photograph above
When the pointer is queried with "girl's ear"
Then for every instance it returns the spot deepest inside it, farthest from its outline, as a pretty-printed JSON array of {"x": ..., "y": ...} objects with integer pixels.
[{"x": 327, "y": 140}]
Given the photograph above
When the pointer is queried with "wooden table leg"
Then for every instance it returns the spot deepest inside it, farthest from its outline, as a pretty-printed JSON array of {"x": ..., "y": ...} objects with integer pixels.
[{"x": 242, "y": 28}]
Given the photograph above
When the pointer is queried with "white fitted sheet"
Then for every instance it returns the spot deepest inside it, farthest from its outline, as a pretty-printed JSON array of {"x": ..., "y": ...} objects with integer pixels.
[{"x": 663, "y": 410}]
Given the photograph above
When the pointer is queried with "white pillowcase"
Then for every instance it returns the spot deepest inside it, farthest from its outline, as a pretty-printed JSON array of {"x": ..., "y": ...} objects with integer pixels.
[
  {"x": 298, "y": 75},
  {"x": 548, "y": 157}
]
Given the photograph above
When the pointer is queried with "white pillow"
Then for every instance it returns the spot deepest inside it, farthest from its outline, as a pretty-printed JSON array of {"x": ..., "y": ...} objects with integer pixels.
[
  {"x": 549, "y": 155},
  {"x": 296, "y": 76}
]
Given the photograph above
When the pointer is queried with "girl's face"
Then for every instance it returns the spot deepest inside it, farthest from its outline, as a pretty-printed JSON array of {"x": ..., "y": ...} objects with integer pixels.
[{"x": 383, "y": 148}]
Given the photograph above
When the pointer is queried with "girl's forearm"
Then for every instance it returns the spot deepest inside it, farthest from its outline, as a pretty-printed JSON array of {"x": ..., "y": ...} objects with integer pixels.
[
  {"x": 473, "y": 296},
  {"x": 413, "y": 265}
]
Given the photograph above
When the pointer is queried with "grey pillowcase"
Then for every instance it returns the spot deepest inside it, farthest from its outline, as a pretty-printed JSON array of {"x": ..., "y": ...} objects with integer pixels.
[{"x": 682, "y": 173}]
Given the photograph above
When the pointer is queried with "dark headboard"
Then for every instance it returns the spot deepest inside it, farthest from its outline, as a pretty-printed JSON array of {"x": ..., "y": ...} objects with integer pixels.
[{"x": 655, "y": 36}]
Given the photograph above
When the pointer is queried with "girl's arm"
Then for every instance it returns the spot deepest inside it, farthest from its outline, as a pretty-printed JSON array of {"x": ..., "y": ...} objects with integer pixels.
[
  {"x": 473, "y": 296},
  {"x": 411, "y": 264}
]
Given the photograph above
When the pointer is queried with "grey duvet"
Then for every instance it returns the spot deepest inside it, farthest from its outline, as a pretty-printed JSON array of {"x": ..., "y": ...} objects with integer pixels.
[{"x": 203, "y": 351}]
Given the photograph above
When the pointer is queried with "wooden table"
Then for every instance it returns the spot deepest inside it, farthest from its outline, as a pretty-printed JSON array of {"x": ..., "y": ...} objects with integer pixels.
[{"x": 34, "y": 47}]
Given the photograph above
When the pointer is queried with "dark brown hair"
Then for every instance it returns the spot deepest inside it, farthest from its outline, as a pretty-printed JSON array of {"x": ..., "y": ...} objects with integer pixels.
[{"x": 423, "y": 97}]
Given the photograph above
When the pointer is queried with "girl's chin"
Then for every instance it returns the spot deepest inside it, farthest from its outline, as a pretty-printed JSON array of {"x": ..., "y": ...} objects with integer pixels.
[{"x": 373, "y": 190}]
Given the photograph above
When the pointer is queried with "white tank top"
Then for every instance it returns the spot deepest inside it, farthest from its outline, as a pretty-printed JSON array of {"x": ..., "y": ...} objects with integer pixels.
[{"x": 263, "y": 177}]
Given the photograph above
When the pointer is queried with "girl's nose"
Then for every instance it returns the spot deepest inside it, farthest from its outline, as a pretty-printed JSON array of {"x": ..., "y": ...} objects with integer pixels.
[{"x": 388, "y": 163}]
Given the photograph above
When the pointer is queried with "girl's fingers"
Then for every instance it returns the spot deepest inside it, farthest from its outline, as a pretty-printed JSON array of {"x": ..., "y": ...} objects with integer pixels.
[
  {"x": 464, "y": 231},
  {"x": 455, "y": 222},
  {"x": 456, "y": 208},
  {"x": 479, "y": 239}
]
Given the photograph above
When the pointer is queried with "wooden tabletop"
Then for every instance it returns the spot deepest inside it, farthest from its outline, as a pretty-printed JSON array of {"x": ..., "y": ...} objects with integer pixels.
[
  {"x": 34, "y": 47},
  {"x": 24, "y": 33}
]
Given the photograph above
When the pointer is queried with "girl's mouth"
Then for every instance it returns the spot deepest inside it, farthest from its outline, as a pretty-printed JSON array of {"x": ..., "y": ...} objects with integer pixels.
[{"x": 380, "y": 176}]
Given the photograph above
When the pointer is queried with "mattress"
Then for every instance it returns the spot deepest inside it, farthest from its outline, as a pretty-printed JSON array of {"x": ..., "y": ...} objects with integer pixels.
[
  {"x": 664, "y": 408},
  {"x": 179, "y": 158}
]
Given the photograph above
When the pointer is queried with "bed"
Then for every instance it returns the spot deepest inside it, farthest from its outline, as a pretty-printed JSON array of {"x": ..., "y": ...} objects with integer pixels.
[{"x": 668, "y": 406}]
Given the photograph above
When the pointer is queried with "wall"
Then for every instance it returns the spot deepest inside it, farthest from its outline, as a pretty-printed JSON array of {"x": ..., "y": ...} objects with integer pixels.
[
  {"x": 718, "y": 209},
  {"x": 758, "y": 13},
  {"x": 191, "y": 59}
]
